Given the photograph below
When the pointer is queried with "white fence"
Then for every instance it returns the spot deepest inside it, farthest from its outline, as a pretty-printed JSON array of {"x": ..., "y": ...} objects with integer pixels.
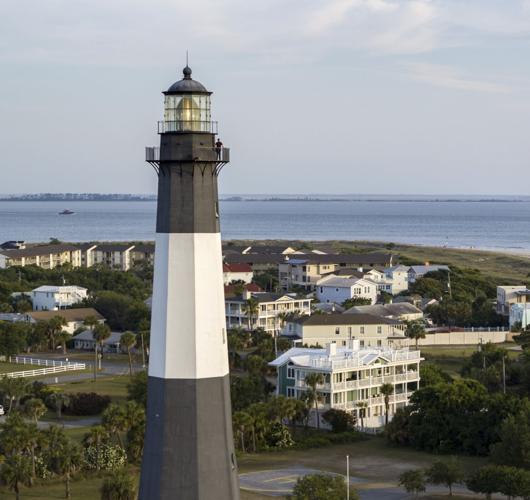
[
  {"x": 46, "y": 371},
  {"x": 51, "y": 366}
]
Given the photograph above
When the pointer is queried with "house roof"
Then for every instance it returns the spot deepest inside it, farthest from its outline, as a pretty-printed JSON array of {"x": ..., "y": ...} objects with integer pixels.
[
  {"x": 375, "y": 258},
  {"x": 115, "y": 337},
  {"x": 144, "y": 248},
  {"x": 237, "y": 268},
  {"x": 58, "y": 289},
  {"x": 346, "y": 319},
  {"x": 39, "y": 250},
  {"x": 428, "y": 269},
  {"x": 341, "y": 282},
  {"x": 385, "y": 310},
  {"x": 269, "y": 249},
  {"x": 114, "y": 247},
  {"x": 346, "y": 271},
  {"x": 230, "y": 290},
  {"x": 232, "y": 258},
  {"x": 70, "y": 315}
]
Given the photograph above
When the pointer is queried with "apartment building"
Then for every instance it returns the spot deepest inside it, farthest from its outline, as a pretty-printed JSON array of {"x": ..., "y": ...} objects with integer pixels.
[
  {"x": 353, "y": 377},
  {"x": 143, "y": 253},
  {"x": 45, "y": 256},
  {"x": 115, "y": 256},
  {"x": 322, "y": 329},
  {"x": 53, "y": 298},
  {"x": 269, "y": 311}
]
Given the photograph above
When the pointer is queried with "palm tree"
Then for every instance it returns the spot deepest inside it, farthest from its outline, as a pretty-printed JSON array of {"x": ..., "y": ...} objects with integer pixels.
[
  {"x": 14, "y": 389},
  {"x": 258, "y": 420},
  {"x": 34, "y": 408},
  {"x": 16, "y": 470},
  {"x": 242, "y": 421},
  {"x": 63, "y": 337},
  {"x": 128, "y": 339},
  {"x": 100, "y": 333},
  {"x": 386, "y": 390},
  {"x": 415, "y": 330},
  {"x": 55, "y": 327},
  {"x": 90, "y": 322},
  {"x": 59, "y": 400},
  {"x": 114, "y": 420},
  {"x": 362, "y": 405},
  {"x": 312, "y": 380},
  {"x": 120, "y": 486},
  {"x": 250, "y": 308},
  {"x": 69, "y": 459}
]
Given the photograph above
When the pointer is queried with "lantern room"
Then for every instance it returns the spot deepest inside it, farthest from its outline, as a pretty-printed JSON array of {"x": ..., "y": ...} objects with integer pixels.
[{"x": 187, "y": 107}]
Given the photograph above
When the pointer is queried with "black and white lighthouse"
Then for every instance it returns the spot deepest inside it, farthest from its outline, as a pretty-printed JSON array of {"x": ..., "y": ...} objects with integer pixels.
[{"x": 189, "y": 451}]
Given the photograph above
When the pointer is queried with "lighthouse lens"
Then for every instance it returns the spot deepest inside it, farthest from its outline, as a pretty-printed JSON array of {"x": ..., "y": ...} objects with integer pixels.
[{"x": 187, "y": 113}]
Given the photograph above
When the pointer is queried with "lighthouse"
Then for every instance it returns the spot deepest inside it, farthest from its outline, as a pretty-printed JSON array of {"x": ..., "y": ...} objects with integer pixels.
[{"x": 189, "y": 450}]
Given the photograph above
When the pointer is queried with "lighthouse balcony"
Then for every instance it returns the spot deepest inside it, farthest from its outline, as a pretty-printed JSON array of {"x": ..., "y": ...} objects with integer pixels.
[{"x": 204, "y": 154}]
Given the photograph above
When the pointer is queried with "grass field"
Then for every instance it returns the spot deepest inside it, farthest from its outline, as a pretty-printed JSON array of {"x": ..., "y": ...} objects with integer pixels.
[{"x": 115, "y": 387}]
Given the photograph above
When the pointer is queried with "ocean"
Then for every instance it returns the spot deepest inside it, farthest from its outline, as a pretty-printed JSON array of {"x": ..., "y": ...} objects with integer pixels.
[{"x": 492, "y": 223}]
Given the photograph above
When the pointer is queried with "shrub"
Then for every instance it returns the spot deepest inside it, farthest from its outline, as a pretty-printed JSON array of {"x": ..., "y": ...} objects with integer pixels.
[
  {"x": 278, "y": 436},
  {"x": 87, "y": 403},
  {"x": 105, "y": 457},
  {"x": 321, "y": 487},
  {"x": 340, "y": 421}
]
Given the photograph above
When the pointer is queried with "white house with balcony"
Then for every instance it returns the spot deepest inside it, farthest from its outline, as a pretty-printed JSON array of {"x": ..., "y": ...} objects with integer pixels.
[
  {"x": 53, "y": 298},
  {"x": 352, "y": 377},
  {"x": 270, "y": 309},
  {"x": 510, "y": 295},
  {"x": 340, "y": 288}
]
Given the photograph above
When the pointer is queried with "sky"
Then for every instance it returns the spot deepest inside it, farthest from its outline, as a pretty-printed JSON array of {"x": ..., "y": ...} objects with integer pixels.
[{"x": 313, "y": 96}]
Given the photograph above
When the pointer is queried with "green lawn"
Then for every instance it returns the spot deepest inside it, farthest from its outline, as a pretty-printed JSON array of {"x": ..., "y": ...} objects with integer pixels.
[{"x": 115, "y": 387}]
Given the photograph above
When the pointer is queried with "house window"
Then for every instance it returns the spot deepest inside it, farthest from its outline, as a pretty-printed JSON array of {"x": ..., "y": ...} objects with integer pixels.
[
  {"x": 290, "y": 372},
  {"x": 321, "y": 290},
  {"x": 361, "y": 343},
  {"x": 379, "y": 343},
  {"x": 362, "y": 329},
  {"x": 337, "y": 330},
  {"x": 379, "y": 329},
  {"x": 290, "y": 392}
]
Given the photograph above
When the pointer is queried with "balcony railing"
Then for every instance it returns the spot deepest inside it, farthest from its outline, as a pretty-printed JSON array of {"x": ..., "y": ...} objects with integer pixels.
[
  {"x": 187, "y": 126},
  {"x": 221, "y": 155}
]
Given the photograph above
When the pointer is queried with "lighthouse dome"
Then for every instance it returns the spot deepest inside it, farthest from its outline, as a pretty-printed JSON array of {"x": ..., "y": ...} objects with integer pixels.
[{"x": 187, "y": 85}]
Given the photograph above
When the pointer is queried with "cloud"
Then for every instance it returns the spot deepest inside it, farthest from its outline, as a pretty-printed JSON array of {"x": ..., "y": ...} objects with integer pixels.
[{"x": 446, "y": 76}]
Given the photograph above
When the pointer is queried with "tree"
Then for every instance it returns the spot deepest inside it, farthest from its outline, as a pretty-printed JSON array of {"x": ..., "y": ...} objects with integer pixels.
[
  {"x": 321, "y": 487},
  {"x": 121, "y": 486},
  {"x": 447, "y": 472},
  {"x": 62, "y": 337},
  {"x": 486, "y": 480},
  {"x": 356, "y": 301},
  {"x": 137, "y": 388},
  {"x": 59, "y": 400},
  {"x": 14, "y": 389},
  {"x": 312, "y": 380},
  {"x": 34, "y": 408},
  {"x": 100, "y": 333},
  {"x": 431, "y": 374},
  {"x": 415, "y": 330},
  {"x": 250, "y": 308},
  {"x": 16, "y": 470},
  {"x": 386, "y": 390},
  {"x": 242, "y": 422},
  {"x": 513, "y": 447},
  {"x": 96, "y": 438},
  {"x": 128, "y": 339},
  {"x": 362, "y": 405},
  {"x": 413, "y": 481},
  {"x": 340, "y": 421},
  {"x": 114, "y": 420},
  {"x": 54, "y": 328}
]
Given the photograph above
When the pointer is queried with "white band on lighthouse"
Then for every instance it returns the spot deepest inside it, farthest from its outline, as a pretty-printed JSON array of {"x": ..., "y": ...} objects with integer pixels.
[{"x": 188, "y": 337}]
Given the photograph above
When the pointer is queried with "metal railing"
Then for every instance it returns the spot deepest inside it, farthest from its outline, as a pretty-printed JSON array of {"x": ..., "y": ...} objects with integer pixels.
[
  {"x": 187, "y": 126},
  {"x": 152, "y": 154}
]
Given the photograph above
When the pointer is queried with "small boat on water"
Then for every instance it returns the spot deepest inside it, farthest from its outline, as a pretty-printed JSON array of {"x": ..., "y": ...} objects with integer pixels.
[{"x": 66, "y": 212}]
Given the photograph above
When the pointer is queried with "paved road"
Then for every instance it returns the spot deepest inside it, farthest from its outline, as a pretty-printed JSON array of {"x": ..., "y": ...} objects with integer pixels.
[
  {"x": 67, "y": 424},
  {"x": 280, "y": 482}
]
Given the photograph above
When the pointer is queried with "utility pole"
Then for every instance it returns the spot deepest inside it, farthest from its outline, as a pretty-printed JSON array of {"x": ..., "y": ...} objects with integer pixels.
[
  {"x": 503, "y": 375},
  {"x": 347, "y": 477}
]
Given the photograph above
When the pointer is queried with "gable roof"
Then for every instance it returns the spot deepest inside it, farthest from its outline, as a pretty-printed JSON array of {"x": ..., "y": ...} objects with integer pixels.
[
  {"x": 346, "y": 319},
  {"x": 70, "y": 315},
  {"x": 371, "y": 259},
  {"x": 39, "y": 250},
  {"x": 343, "y": 282},
  {"x": 236, "y": 268},
  {"x": 386, "y": 310}
]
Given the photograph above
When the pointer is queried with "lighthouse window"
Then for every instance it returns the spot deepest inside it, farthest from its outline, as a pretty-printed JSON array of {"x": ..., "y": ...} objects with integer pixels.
[{"x": 187, "y": 113}]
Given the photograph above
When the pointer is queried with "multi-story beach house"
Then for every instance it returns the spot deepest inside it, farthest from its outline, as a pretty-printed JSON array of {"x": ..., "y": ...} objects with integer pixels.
[
  {"x": 322, "y": 329},
  {"x": 53, "y": 298},
  {"x": 509, "y": 295},
  {"x": 352, "y": 379},
  {"x": 269, "y": 313},
  {"x": 305, "y": 271},
  {"x": 338, "y": 289}
]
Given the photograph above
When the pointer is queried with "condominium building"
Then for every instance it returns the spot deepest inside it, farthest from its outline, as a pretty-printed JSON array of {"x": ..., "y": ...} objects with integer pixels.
[
  {"x": 352, "y": 379},
  {"x": 45, "y": 256},
  {"x": 269, "y": 312},
  {"x": 322, "y": 329},
  {"x": 53, "y": 298},
  {"x": 116, "y": 256}
]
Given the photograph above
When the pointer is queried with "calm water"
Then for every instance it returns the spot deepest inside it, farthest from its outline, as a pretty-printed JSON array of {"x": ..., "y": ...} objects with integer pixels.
[{"x": 484, "y": 224}]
